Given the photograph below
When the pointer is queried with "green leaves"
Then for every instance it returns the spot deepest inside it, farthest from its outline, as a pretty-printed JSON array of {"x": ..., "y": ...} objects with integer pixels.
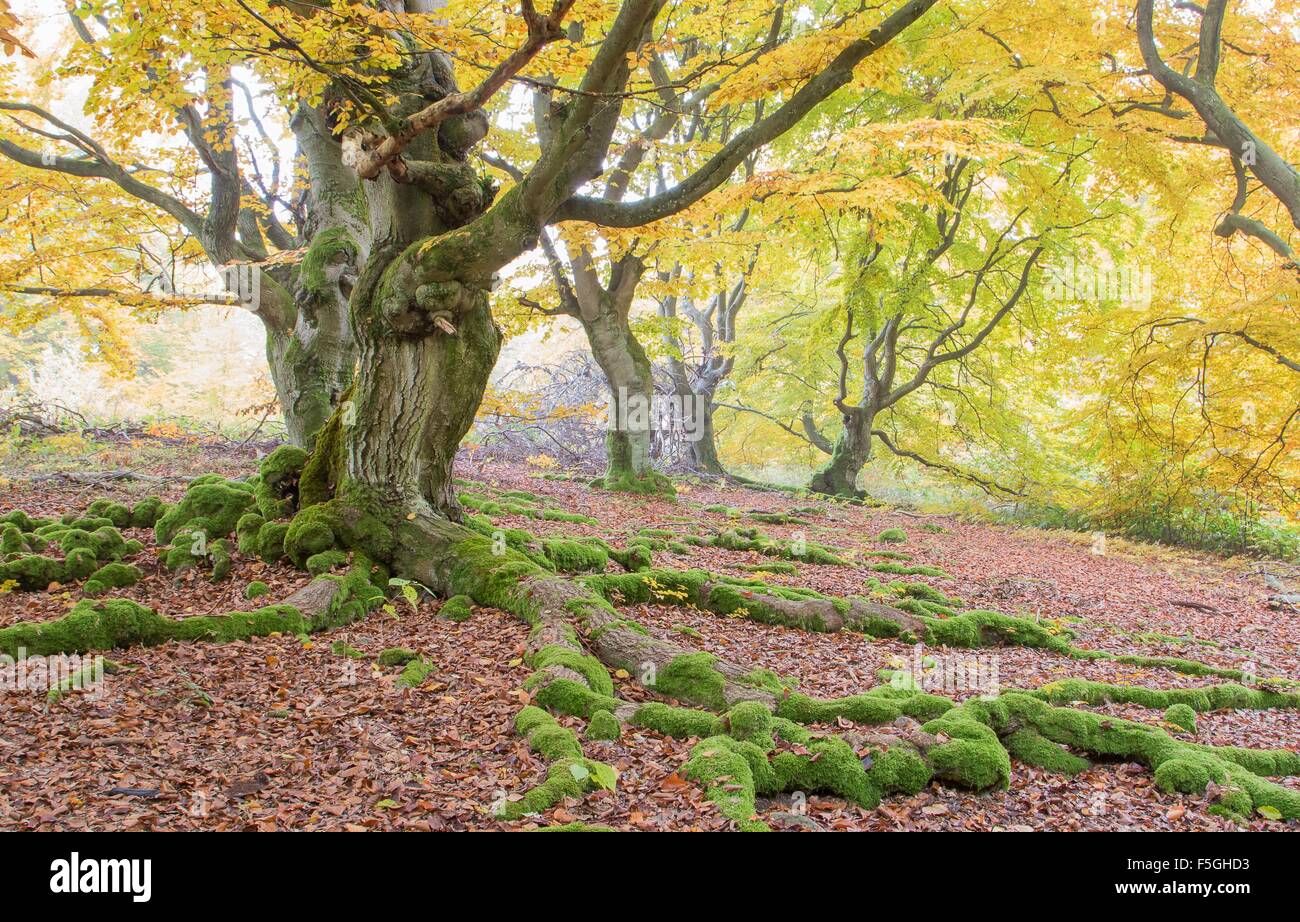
[
  {"x": 409, "y": 590},
  {"x": 605, "y": 776}
]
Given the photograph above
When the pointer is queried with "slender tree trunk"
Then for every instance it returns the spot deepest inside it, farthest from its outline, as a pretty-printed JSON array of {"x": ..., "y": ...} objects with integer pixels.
[
  {"x": 627, "y": 371},
  {"x": 698, "y": 438},
  {"x": 702, "y": 447},
  {"x": 839, "y": 476}
]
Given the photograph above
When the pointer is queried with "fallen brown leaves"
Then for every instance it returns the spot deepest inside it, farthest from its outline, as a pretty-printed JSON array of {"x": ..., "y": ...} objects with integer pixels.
[{"x": 294, "y": 736}]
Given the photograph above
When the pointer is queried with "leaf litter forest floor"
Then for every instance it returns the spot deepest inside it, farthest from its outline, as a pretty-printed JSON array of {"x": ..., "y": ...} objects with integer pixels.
[{"x": 282, "y": 733}]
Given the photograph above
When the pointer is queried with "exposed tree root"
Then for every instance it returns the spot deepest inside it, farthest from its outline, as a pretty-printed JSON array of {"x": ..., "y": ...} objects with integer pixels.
[
  {"x": 326, "y": 602},
  {"x": 754, "y": 738},
  {"x": 751, "y": 539},
  {"x": 757, "y": 735}
]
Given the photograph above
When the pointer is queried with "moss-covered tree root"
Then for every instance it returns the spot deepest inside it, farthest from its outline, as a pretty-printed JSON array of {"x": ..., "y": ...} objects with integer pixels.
[{"x": 326, "y": 602}]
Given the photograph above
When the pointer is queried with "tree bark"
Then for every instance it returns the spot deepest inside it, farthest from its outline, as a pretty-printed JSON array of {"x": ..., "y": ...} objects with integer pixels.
[
  {"x": 702, "y": 449},
  {"x": 698, "y": 438},
  {"x": 852, "y": 450},
  {"x": 311, "y": 366},
  {"x": 631, "y": 392}
]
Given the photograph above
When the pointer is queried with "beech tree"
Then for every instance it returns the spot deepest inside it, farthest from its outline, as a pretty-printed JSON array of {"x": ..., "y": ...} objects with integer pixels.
[
  {"x": 597, "y": 278},
  {"x": 211, "y": 183}
]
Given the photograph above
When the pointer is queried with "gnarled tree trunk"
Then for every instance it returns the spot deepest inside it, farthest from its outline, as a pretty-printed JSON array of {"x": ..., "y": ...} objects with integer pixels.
[{"x": 852, "y": 450}]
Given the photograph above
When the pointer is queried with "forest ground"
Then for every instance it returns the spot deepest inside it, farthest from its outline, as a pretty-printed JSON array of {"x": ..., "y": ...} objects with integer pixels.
[{"x": 284, "y": 733}]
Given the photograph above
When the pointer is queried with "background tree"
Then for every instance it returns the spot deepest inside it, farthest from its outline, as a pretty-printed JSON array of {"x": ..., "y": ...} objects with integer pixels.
[{"x": 190, "y": 142}]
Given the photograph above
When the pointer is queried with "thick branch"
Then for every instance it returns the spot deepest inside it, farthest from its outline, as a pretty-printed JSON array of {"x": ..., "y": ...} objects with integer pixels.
[
  {"x": 542, "y": 30},
  {"x": 725, "y": 161}
]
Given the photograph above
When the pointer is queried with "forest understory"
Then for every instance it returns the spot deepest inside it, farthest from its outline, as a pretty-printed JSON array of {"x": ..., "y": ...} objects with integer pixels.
[{"x": 338, "y": 728}]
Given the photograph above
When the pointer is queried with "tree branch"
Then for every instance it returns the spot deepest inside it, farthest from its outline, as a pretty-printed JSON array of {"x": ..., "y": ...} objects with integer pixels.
[{"x": 714, "y": 172}]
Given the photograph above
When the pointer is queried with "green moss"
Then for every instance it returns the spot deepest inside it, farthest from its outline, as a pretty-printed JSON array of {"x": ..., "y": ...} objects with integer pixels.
[
  {"x": 1206, "y": 698},
  {"x": 1181, "y": 716},
  {"x": 90, "y": 626},
  {"x": 691, "y": 677},
  {"x": 122, "y": 623},
  {"x": 892, "y": 536},
  {"x": 115, "y": 512},
  {"x": 273, "y": 619},
  {"x": 769, "y": 681},
  {"x": 531, "y": 716},
  {"x": 325, "y": 561},
  {"x": 22, "y": 520},
  {"x": 573, "y": 827},
  {"x": 649, "y": 483},
  {"x": 926, "y": 594},
  {"x": 1031, "y": 747},
  {"x": 574, "y": 556},
  {"x": 219, "y": 556},
  {"x": 79, "y": 564},
  {"x": 889, "y": 555},
  {"x": 972, "y": 757},
  {"x": 12, "y": 541},
  {"x": 256, "y": 589},
  {"x": 1236, "y": 772},
  {"x": 270, "y": 541},
  {"x": 457, "y": 608},
  {"x": 636, "y": 556},
  {"x": 1184, "y": 776},
  {"x": 322, "y": 252},
  {"x": 415, "y": 673},
  {"x": 396, "y": 656},
  {"x": 565, "y": 696},
  {"x": 881, "y": 705},
  {"x": 73, "y": 538},
  {"x": 276, "y": 490},
  {"x": 246, "y": 531},
  {"x": 774, "y": 566},
  {"x": 980, "y": 628},
  {"x": 899, "y": 768},
  {"x": 552, "y": 742},
  {"x": 603, "y": 726},
  {"x": 679, "y": 723},
  {"x": 898, "y": 569},
  {"x": 556, "y": 515},
  {"x": 565, "y": 778},
  {"x": 181, "y": 555},
  {"x": 721, "y": 765},
  {"x": 117, "y": 575},
  {"x": 32, "y": 572},
  {"x": 323, "y": 471},
  {"x": 588, "y": 667},
  {"x": 147, "y": 512},
  {"x": 214, "y": 507},
  {"x": 338, "y": 523},
  {"x": 312, "y": 532},
  {"x": 831, "y": 765},
  {"x": 750, "y": 721}
]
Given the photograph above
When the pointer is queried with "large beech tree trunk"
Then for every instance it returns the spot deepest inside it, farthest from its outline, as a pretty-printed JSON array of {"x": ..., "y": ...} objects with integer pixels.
[
  {"x": 852, "y": 450},
  {"x": 416, "y": 396},
  {"x": 420, "y": 310}
]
